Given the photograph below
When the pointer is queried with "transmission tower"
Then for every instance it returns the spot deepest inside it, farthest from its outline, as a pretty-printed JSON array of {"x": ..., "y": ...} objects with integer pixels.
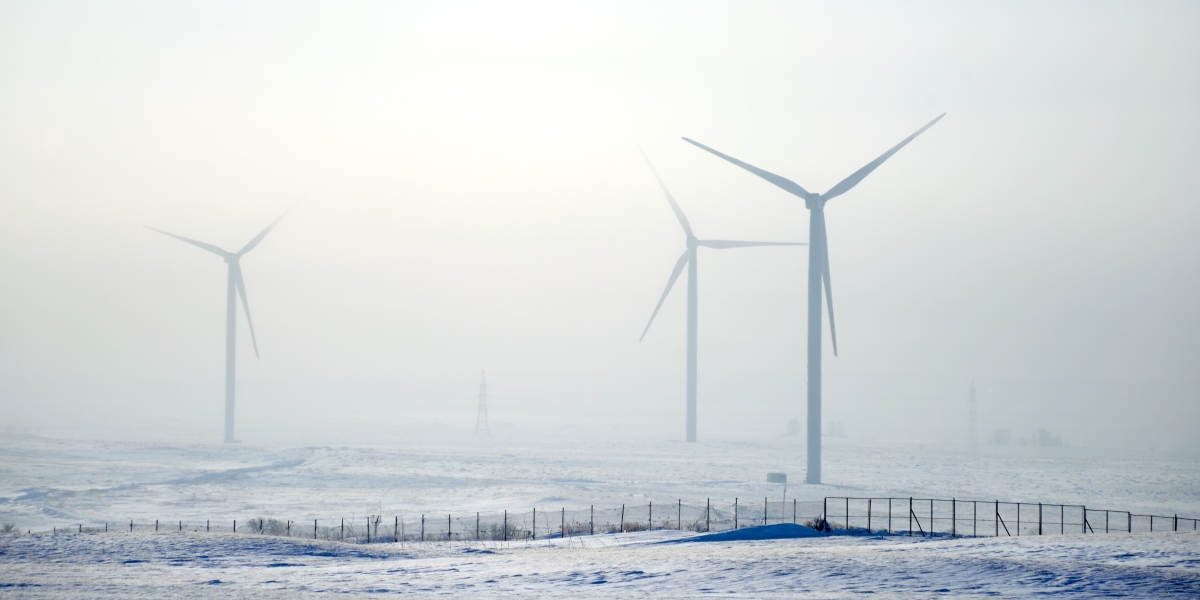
[
  {"x": 972, "y": 421},
  {"x": 481, "y": 420}
]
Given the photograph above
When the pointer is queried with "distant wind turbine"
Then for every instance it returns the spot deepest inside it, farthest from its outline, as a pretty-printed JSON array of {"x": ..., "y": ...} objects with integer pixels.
[
  {"x": 818, "y": 273},
  {"x": 235, "y": 283},
  {"x": 689, "y": 259}
]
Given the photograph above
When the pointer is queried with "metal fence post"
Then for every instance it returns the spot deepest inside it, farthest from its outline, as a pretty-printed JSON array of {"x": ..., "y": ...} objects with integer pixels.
[
  {"x": 931, "y": 517},
  {"x": 847, "y": 514},
  {"x": 1039, "y": 518},
  {"x": 506, "y": 525},
  {"x": 998, "y": 518},
  {"x": 735, "y": 514},
  {"x": 953, "y": 517},
  {"x": 534, "y": 528},
  {"x": 974, "y": 518},
  {"x": 910, "y": 516},
  {"x": 1062, "y": 519},
  {"x": 707, "y": 514},
  {"x": 868, "y": 516},
  {"x": 889, "y": 528}
]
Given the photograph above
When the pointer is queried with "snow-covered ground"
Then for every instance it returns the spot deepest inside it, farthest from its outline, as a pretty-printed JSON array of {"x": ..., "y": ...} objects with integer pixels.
[
  {"x": 48, "y": 483},
  {"x": 189, "y": 565}
]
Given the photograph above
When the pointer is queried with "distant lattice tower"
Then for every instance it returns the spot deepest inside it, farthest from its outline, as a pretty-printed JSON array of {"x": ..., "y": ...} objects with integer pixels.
[
  {"x": 481, "y": 419},
  {"x": 973, "y": 421}
]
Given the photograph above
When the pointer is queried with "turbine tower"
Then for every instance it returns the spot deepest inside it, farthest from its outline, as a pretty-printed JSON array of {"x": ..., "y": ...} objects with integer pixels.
[
  {"x": 481, "y": 420},
  {"x": 688, "y": 258},
  {"x": 236, "y": 287},
  {"x": 972, "y": 421},
  {"x": 818, "y": 275}
]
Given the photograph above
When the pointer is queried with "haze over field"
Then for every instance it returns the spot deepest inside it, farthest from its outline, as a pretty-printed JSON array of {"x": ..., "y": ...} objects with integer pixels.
[{"x": 471, "y": 196}]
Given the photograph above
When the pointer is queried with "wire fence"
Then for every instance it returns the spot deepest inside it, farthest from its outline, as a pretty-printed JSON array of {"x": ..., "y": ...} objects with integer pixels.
[
  {"x": 953, "y": 517},
  {"x": 894, "y": 516}
]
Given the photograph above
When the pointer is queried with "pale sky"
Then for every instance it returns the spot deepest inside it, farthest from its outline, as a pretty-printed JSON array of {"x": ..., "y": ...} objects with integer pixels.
[{"x": 471, "y": 196}]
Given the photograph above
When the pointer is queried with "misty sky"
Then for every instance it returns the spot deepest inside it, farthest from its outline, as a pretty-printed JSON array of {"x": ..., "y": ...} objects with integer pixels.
[{"x": 469, "y": 195}]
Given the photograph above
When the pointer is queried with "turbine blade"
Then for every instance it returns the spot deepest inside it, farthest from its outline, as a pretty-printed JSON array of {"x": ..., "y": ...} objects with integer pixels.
[
  {"x": 683, "y": 220},
  {"x": 241, "y": 288},
  {"x": 787, "y": 184},
  {"x": 258, "y": 238},
  {"x": 723, "y": 244},
  {"x": 209, "y": 247},
  {"x": 670, "y": 282},
  {"x": 858, "y": 175},
  {"x": 824, "y": 249}
]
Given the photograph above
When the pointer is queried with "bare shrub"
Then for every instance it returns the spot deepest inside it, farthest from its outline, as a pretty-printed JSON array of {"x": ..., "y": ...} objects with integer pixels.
[{"x": 8, "y": 528}]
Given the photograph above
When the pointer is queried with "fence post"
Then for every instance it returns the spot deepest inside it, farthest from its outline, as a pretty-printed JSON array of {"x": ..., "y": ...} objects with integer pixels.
[
  {"x": 847, "y": 514},
  {"x": 562, "y": 530},
  {"x": 314, "y": 529},
  {"x": 650, "y": 519},
  {"x": 953, "y": 518},
  {"x": 735, "y": 513},
  {"x": 180, "y": 527},
  {"x": 1085, "y": 521},
  {"x": 448, "y": 528},
  {"x": 707, "y": 515},
  {"x": 156, "y": 526},
  {"x": 679, "y": 515},
  {"x": 622, "y": 518},
  {"x": 592, "y": 520},
  {"x": 534, "y": 528},
  {"x": 368, "y": 530},
  {"x": 1062, "y": 519},
  {"x": 235, "y": 525},
  {"x": 868, "y": 516},
  {"x": 931, "y": 517},
  {"x": 476, "y": 526},
  {"x": 207, "y": 526},
  {"x": 395, "y": 529},
  {"x": 889, "y": 529},
  {"x": 1039, "y": 518},
  {"x": 793, "y": 511},
  {"x": 910, "y": 516},
  {"x": 422, "y": 528},
  {"x": 289, "y": 528},
  {"x": 342, "y": 531},
  {"x": 974, "y": 518},
  {"x": 131, "y": 526},
  {"x": 998, "y": 518},
  {"x": 505, "y": 525},
  {"x": 1174, "y": 527},
  {"x": 764, "y": 511}
]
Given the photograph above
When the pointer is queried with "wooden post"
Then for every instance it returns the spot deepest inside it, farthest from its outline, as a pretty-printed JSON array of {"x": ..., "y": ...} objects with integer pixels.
[
  {"x": 534, "y": 529},
  {"x": 622, "y": 518},
  {"x": 592, "y": 521},
  {"x": 396, "y": 529},
  {"x": 650, "y": 519},
  {"x": 368, "y": 530},
  {"x": 448, "y": 528},
  {"x": 476, "y": 526},
  {"x": 506, "y": 525},
  {"x": 422, "y": 528},
  {"x": 314, "y": 529},
  {"x": 793, "y": 511}
]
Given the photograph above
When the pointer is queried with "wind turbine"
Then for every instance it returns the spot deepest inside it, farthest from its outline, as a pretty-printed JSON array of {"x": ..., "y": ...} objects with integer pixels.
[
  {"x": 235, "y": 288},
  {"x": 688, "y": 258},
  {"x": 818, "y": 274}
]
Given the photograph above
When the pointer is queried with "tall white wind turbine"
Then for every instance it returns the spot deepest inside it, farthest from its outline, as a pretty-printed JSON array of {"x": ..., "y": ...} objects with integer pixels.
[
  {"x": 818, "y": 274},
  {"x": 688, "y": 259},
  {"x": 236, "y": 287}
]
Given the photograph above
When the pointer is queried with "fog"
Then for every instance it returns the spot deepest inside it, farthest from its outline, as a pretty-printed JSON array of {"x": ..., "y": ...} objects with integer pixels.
[{"x": 468, "y": 194}]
